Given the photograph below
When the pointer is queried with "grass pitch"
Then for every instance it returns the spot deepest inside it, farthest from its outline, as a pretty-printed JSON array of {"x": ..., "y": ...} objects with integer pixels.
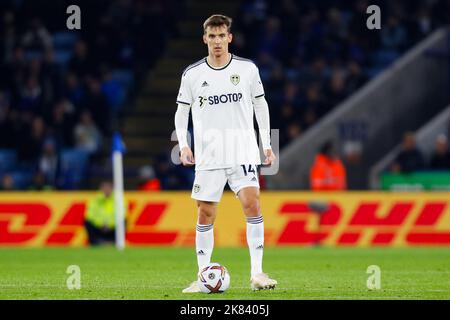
[{"x": 161, "y": 273}]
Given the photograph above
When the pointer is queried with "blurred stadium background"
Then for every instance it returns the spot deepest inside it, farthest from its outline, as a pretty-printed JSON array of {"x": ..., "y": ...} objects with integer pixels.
[
  {"x": 327, "y": 76},
  {"x": 381, "y": 97}
]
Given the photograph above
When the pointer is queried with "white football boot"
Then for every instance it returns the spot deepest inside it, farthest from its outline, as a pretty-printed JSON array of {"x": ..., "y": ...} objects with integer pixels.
[
  {"x": 193, "y": 288},
  {"x": 262, "y": 281}
]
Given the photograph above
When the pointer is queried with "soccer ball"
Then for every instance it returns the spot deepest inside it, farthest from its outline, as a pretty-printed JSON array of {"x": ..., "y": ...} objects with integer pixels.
[{"x": 214, "y": 278}]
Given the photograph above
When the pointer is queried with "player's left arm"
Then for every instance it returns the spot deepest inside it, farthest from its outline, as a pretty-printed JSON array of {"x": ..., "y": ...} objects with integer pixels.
[{"x": 262, "y": 117}]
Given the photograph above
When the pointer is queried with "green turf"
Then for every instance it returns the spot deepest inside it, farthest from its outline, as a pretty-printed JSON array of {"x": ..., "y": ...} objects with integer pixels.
[{"x": 161, "y": 273}]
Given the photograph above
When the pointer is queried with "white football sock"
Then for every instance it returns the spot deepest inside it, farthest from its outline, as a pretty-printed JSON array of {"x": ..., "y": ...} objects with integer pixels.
[
  {"x": 204, "y": 244},
  {"x": 255, "y": 241}
]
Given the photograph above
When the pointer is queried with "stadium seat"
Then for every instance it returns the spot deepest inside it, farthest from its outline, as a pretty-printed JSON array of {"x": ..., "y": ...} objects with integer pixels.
[
  {"x": 265, "y": 74},
  {"x": 292, "y": 74},
  {"x": 373, "y": 72},
  {"x": 8, "y": 160},
  {"x": 22, "y": 179},
  {"x": 33, "y": 54},
  {"x": 74, "y": 164},
  {"x": 64, "y": 39},
  {"x": 384, "y": 57},
  {"x": 124, "y": 77},
  {"x": 114, "y": 92},
  {"x": 62, "y": 57}
]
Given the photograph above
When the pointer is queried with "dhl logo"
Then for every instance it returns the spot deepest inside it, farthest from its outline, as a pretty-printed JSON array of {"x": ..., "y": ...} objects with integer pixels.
[
  {"x": 20, "y": 223},
  {"x": 348, "y": 221},
  {"x": 367, "y": 221}
]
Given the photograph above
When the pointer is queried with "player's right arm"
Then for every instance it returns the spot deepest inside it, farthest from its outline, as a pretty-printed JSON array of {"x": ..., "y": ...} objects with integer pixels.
[{"x": 184, "y": 101}]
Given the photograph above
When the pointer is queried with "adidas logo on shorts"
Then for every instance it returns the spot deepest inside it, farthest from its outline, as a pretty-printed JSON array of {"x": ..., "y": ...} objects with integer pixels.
[
  {"x": 201, "y": 253},
  {"x": 253, "y": 179}
]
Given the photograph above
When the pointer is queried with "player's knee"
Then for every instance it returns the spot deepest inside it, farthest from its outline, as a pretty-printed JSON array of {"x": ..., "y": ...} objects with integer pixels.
[
  {"x": 251, "y": 207},
  {"x": 206, "y": 213}
]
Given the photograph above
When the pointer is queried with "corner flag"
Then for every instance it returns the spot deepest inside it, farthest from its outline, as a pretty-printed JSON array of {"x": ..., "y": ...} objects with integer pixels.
[{"x": 118, "y": 148}]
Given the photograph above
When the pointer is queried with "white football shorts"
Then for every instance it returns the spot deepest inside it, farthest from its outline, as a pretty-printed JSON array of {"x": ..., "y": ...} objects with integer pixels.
[{"x": 209, "y": 184}]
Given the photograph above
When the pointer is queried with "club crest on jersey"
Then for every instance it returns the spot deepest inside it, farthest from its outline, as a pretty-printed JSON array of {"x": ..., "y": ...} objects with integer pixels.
[{"x": 234, "y": 78}]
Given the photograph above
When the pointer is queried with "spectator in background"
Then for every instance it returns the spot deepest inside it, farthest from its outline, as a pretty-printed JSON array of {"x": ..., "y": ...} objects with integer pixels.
[
  {"x": 294, "y": 130},
  {"x": 336, "y": 90},
  {"x": 31, "y": 96},
  {"x": 31, "y": 143},
  {"x": 97, "y": 104},
  {"x": 292, "y": 95},
  {"x": 61, "y": 123},
  {"x": 394, "y": 35},
  {"x": 39, "y": 183},
  {"x": 16, "y": 69},
  {"x": 7, "y": 183},
  {"x": 11, "y": 130},
  {"x": 423, "y": 24},
  {"x": 276, "y": 82},
  {"x": 100, "y": 221},
  {"x": 51, "y": 77},
  {"x": 5, "y": 124},
  {"x": 355, "y": 78},
  {"x": 291, "y": 120},
  {"x": 112, "y": 90},
  {"x": 73, "y": 90},
  {"x": 354, "y": 165},
  {"x": 410, "y": 159},
  {"x": 309, "y": 117},
  {"x": 271, "y": 40},
  {"x": 37, "y": 36},
  {"x": 314, "y": 98},
  {"x": 440, "y": 159},
  {"x": 87, "y": 135},
  {"x": 81, "y": 64},
  {"x": 148, "y": 180},
  {"x": 49, "y": 164},
  {"x": 9, "y": 36},
  {"x": 327, "y": 172}
]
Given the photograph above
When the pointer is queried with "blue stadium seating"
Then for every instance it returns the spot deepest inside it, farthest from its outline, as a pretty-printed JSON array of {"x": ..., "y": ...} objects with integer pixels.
[
  {"x": 62, "y": 57},
  {"x": 384, "y": 57},
  {"x": 33, "y": 54},
  {"x": 8, "y": 159},
  {"x": 65, "y": 39},
  {"x": 373, "y": 72},
  {"x": 74, "y": 163},
  {"x": 124, "y": 77},
  {"x": 22, "y": 179}
]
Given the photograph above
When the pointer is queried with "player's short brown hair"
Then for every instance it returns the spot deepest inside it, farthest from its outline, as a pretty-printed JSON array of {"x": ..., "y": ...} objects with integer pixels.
[{"x": 217, "y": 20}]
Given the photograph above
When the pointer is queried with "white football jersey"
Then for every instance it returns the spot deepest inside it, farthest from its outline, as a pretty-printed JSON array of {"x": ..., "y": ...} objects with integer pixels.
[{"x": 221, "y": 101}]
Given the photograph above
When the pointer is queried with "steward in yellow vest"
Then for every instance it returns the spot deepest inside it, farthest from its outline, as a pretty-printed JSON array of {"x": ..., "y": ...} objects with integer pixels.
[{"x": 100, "y": 220}]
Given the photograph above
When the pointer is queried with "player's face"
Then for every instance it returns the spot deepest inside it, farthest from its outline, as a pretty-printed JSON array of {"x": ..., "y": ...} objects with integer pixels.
[{"x": 217, "y": 39}]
